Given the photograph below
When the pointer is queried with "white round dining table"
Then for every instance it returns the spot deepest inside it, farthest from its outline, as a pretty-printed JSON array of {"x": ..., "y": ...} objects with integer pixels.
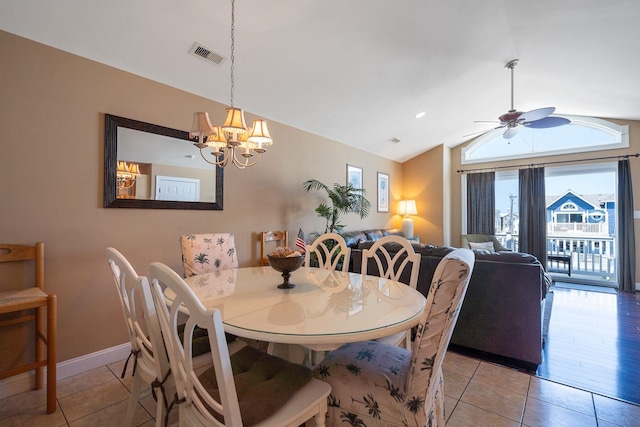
[{"x": 326, "y": 308}]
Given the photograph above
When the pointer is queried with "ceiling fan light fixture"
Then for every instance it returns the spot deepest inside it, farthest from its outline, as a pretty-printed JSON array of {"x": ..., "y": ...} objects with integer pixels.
[{"x": 539, "y": 118}]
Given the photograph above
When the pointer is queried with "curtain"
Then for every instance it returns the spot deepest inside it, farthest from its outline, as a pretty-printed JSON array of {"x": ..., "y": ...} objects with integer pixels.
[
  {"x": 626, "y": 231},
  {"x": 532, "y": 213},
  {"x": 481, "y": 201}
]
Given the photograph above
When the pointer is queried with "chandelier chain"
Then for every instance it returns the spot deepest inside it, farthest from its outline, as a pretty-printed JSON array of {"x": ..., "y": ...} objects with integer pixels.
[
  {"x": 233, "y": 6},
  {"x": 232, "y": 143}
]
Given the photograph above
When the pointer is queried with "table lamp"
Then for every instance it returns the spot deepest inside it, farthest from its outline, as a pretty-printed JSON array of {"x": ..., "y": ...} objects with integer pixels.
[{"x": 406, "y": 208}]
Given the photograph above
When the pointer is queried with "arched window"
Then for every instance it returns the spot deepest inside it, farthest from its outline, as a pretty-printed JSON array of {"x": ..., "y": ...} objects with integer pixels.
[
  {"x": 569, "y": 206},
  {"x": 581, "y": 135}
]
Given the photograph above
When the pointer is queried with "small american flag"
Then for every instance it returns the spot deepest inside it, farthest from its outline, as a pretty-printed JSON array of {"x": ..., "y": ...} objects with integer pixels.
[{"x": 300, "y": 243}]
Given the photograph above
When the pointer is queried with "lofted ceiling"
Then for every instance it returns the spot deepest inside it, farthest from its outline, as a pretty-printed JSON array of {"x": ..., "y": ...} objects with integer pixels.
[{"x": 357, "y": 71}]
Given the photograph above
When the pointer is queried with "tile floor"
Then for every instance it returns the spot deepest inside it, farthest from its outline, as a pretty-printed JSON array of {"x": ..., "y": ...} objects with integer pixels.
[{"x": 477, "y": 394}]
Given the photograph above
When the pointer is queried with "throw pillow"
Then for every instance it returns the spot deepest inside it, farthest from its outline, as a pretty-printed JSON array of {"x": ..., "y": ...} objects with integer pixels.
[{"x": 487, "y": 246}]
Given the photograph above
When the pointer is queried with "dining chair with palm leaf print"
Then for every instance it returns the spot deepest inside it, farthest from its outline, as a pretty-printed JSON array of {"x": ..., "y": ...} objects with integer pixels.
[
  {"x": 377, "y": 384},
  {"x": 206, "y": 253}
]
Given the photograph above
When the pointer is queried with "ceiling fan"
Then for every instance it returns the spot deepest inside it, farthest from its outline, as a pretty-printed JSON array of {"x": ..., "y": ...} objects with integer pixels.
[{"x": 537, "y": 119}]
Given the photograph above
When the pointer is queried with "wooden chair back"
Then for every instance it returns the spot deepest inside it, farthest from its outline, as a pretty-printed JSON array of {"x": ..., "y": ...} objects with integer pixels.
[{"x": 279, "y": 238}]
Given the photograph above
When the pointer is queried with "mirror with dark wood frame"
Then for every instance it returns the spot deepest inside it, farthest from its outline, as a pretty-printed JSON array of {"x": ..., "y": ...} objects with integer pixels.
[{"x": 149, "y": 166}]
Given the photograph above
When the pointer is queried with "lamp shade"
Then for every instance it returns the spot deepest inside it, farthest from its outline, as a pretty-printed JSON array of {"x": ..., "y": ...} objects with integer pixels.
[
  {"x": 407, "y": 207},
  {"x": 201, "y": 125},
  {"x": 217, "y": 139},
  {"x": 235, "y": 121},
  {"x": 134, "y": 168},
  {"x": 260, "y": 133},
  {"x": 122, "y": 167}
]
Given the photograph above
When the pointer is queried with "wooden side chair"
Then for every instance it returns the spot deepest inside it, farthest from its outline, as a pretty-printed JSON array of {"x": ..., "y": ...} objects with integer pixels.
[
  {"x": 392, "y": 267},
  {"x": 281, "y": 238},
  {"x": 376, "y": 384},
  {"x": 248, "y": 387},
  {"x": 20, "y": 305}
]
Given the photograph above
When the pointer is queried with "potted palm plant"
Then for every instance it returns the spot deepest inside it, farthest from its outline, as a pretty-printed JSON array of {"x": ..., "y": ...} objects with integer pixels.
[{"x": 344, "y": 199}]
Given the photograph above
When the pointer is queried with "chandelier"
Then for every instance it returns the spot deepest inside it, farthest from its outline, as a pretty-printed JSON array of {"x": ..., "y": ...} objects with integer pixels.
[
  {"x": 232, "y": 142},
  {"x": 126, "y": 174}
]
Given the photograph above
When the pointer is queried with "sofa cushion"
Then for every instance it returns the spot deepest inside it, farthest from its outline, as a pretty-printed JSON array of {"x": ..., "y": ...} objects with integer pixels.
[
  {"x": 352, "y": 238},
  {"x": 517, "y": 257},
  {"x": 441, "y": 251},
  {"x": 483, "y": 245},
  {"x": 374, "y": 235},
  {"x": 392, "y": 232}
]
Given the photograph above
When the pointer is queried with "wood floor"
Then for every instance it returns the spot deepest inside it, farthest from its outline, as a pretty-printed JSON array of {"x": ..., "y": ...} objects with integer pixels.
[{"x": 594, "y": 343}]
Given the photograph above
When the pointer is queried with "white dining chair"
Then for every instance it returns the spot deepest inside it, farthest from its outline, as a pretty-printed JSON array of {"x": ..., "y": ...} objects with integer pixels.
[
  {"x": 375, "y": 384},
  {"x": 149, "y": 365},
  {"x": 150, "y": 360},
  {"x": 248, "y": 387},
  {"x": 392, "y": 255},
  {"x": 330, "y": 250}
]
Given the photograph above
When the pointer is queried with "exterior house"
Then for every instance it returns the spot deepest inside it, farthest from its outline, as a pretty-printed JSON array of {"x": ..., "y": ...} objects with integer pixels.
[{"x": 593, "y": 214}]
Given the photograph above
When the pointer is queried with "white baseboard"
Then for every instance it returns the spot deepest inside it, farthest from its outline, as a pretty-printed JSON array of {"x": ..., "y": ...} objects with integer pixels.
[{"x": 68, "y": 368}]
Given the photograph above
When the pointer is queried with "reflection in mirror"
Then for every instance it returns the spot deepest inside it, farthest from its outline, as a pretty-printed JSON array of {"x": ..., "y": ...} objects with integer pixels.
[{"x": 151, "y": 166}]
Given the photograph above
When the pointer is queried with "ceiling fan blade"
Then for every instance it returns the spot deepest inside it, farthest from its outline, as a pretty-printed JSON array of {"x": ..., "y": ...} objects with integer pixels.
[
  {"x": 480, "y": 132},
  {"x": 547, "y": 122},
  {"x": 537, "y": 114},
  {"x": 511, "y": 132}
]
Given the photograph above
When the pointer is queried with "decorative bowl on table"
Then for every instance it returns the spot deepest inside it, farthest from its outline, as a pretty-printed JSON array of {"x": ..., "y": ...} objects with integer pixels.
[{"x": 285, "y": 265}]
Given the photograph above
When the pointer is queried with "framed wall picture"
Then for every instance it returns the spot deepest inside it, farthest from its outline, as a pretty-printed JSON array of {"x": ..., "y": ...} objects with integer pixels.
[
  {"x": 354, "y": 176},
  {"x": 383, "y": 192}
]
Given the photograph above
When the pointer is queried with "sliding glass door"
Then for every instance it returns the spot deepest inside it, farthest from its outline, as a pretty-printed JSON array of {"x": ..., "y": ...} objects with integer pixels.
[{"x": 580, "y": 216}]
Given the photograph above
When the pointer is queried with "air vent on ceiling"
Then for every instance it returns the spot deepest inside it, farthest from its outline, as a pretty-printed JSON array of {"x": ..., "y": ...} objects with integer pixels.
[
  {"x": 395, "y": 140},
  {"x": 207, "y": 54}
]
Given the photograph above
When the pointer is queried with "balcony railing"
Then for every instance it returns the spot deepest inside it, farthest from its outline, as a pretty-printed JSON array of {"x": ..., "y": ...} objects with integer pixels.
[
  {"x": 600, "y": 228},
  {"x": 591, "y": 257}
]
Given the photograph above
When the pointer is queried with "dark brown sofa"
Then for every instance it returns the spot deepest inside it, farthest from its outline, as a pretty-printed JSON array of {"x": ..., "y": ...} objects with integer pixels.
[{"x": 502, "y": 313}]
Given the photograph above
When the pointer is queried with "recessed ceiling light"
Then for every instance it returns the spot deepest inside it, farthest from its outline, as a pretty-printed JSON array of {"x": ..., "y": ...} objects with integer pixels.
[{"x": 420, "y": 114}]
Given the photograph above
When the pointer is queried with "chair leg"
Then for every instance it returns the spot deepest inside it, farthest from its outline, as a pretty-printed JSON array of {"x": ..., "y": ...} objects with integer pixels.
[
  {"x": 160, "y": 409},
  {"x": 133, "y": 401},
  {"x": 39, "y": 346},
  {"x": 321, "y": 417},
  {"x": 439, "y": 404},
  {"x": 52, "y": 316}
]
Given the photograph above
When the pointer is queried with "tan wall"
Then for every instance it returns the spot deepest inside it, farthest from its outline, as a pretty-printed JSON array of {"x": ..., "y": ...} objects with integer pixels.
[
  {"x": 425, "y": 187},
  {"x": 51, "y": 180},
  {"x": 420, "y": 178}
]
